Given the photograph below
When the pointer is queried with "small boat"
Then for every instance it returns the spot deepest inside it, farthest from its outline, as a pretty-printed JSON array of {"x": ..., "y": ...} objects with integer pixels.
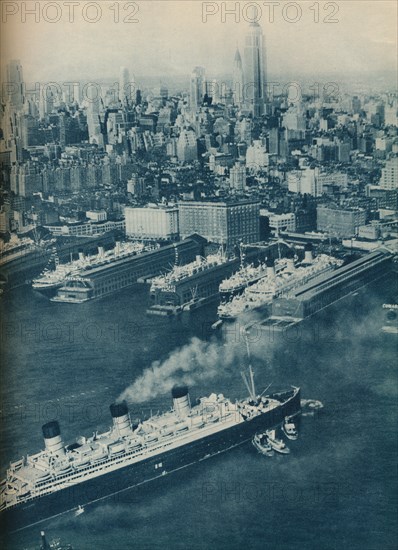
[
  {"x": 261, "y": 443},
  {"x": 289, "y": 429},
  {"x": 79, "y": 510},
  {"x": 277, "y": 444}
]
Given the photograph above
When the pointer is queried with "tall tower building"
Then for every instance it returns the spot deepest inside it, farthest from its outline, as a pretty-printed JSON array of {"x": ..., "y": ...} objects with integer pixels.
[
  {"x": 126, "y": 87},
  {"x": 237, "y": 79},
  {"x": 15, "y": 85},
  {"x": 46, "y": 102},
  {"x": 255, "y": 70},
  {"x": 197, "y": 86},
  {"x": 93, "y": 119}
]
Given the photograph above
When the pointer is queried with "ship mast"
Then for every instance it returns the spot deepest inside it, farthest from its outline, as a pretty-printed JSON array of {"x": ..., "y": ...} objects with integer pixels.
[{"x": 249, "y": 381}]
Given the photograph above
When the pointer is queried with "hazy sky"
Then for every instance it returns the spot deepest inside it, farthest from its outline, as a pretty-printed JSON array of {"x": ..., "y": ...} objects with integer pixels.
[{"x": 171, "y": 37}]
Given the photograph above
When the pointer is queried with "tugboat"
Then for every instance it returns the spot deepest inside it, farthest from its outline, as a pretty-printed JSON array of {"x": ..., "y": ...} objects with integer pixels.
[
  {"x": 261, "y": 443},
  {"x": 277, "y": 444},
  {"x": 54, "y": 545},
  {"x": 289, "y": 429},
  {"x": 79, "y": 510}
]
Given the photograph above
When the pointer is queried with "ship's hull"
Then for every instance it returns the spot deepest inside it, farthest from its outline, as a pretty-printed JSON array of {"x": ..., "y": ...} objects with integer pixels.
[
  {"x": 47, "y": 290},
  {"x": 227, "y": 294},
  {"x": 101, "y": 487}
]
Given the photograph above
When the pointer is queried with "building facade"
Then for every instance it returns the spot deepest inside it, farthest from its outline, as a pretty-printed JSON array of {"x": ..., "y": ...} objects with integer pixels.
[
  {"x": 340, "y": 222},
  {"x": 152, "y": 223},
  {"x": 224, "y": 222},
  {"x": 187, "y": 148},
  {"x": 389, "y": 175},
  {"x": 255, "y": 70}
]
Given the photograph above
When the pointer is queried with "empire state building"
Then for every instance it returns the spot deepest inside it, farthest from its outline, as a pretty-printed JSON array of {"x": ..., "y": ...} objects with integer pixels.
[{"x": 255, "y": 70}]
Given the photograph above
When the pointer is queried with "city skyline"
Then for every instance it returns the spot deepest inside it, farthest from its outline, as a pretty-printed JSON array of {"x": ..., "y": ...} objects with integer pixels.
[{"x": 171, "y": 38}]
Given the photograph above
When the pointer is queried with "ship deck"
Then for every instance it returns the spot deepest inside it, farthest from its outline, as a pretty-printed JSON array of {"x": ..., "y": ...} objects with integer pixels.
[{"x": 45, "y": 473}]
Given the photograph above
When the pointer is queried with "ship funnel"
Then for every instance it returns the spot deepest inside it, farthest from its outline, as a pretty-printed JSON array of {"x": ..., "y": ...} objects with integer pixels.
[
  {"x": 100, "y": 251},
  {"x": 270, "y": 267},
  {"x": 81, "y": 255},
  {"x": 181, "y": 401},
  {"x": 290, "y": 260},
  {"x": 117, "y": 248},
  {"x": 52, "y": 438},
  {"x": 308, "y": 257},
  {"x": 121, "y": 418}
]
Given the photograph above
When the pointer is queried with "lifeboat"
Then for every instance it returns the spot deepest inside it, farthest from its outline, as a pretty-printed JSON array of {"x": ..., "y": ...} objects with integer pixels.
[{"x": 116, "y": 448}]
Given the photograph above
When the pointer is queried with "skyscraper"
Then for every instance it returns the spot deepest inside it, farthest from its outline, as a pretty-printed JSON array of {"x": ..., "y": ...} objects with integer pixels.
[
  {"x": 255, "y": 70},
  {"x": 15, "y": 85},
  {"x": 197, "y": 85},
  {"x": 46, "y": 102},
  {"x": 93, "y": 118},
  {"x": 126, "y": 87},
  {"x": 237, "y": 79}
]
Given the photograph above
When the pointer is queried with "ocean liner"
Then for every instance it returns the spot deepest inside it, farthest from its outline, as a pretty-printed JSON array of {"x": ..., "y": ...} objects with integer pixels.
[
  {"x": 16, "y": 249},
  {"x": 65, "y": 478},
  {"x": 280, "y": 280},
  {"x": 190, "y": 286},
  {"x": 246, "y": 276},
  {"x": 55, "y": 275}
]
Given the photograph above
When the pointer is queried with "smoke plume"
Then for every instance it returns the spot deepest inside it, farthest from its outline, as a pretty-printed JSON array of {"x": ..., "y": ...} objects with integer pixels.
[{"x": 196, "y": 361}]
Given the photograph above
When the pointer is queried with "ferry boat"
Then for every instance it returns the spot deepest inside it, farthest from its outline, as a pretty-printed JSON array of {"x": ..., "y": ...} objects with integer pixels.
[
  {"x": 62, "y": 477},
  {"x": 75, "y": 290},
  {"x": 50, "y": 280},
  {"x": 280, "y": 280}
]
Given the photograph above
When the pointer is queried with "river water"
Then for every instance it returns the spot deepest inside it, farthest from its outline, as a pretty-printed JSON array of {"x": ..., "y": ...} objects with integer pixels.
[{"x": 337, "y": 488}]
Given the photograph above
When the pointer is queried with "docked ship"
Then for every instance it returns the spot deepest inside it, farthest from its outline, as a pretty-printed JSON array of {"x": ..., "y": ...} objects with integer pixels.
[
  {"x": 246, "y": 276},
  {"x": 281, "y": 279},
  {"x": 16, "y": 248},
  {"x": 189, "y": 286},
  {"x": 55, "y": 275},
  {"x": 122, "y": 271},
  {"x": 21, "y": 259},
  {"x": 63, "y": 478}
]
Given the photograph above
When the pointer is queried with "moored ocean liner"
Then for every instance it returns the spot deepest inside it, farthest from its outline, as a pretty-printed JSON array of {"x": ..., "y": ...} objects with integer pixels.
[
  {"x": 246, "y": 276},
  {"x": 55, "y": 275},
  {"x": 16, "y": 248},
  {"x": 66, "y": 478},
  {"x": 189, "y": 286},
  {"x": 282, "y": 277}
]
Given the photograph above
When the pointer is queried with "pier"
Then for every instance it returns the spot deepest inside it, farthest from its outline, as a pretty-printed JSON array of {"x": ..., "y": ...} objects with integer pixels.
[
  {"x": 106, "y": 279},
  {"x": 327, "y": 289}
]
